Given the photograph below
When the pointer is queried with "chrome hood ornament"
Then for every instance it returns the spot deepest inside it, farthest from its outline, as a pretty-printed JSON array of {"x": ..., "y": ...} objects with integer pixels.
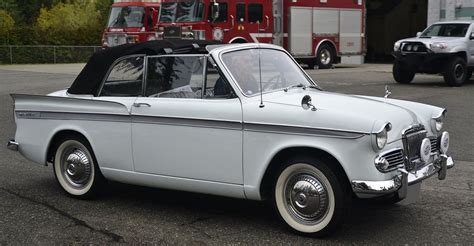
[{"x": 387, "y": 92}]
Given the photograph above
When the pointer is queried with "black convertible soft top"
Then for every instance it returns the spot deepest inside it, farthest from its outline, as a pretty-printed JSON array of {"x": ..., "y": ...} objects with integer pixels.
[{"x": 92, "y": 75}]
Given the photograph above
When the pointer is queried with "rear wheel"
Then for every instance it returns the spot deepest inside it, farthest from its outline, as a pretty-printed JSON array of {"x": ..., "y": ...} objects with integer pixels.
[
  {"x": 325, "y": 56},
  {"x": 455, "y": 71},
  {"x": 75, "y": 168},
  {"x": 401, "y": 73},
  {"x": 309, "y": 197}
]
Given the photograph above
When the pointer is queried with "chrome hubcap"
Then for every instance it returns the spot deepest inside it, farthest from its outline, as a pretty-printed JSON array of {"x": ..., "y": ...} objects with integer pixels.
[
  {"x": 325, "y": 57},
  {"x": 458, "y": 71},
  {"x": 306, "y": 198},
  {"x": 76, "y": 167}
]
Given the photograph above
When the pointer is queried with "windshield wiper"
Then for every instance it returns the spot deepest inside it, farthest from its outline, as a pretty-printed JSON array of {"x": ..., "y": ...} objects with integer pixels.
[{"x": 300, "y": 85}]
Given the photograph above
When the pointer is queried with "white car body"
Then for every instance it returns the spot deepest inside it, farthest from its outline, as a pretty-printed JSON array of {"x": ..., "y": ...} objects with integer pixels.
[{"x": 226, "y": 146}]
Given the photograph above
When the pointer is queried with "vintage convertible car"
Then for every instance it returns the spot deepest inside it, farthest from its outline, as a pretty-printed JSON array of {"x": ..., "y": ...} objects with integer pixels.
[{"x": 240, "y": 120}]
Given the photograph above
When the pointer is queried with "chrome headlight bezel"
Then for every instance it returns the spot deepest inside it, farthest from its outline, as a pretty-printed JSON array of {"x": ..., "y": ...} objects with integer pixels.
[
  {"x": 438, "y": 121},
  {"x": 380, "y": 137}
]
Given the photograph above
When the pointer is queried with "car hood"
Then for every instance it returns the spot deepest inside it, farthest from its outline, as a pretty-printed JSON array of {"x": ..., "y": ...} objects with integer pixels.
[{"x": 350, "y": 113}]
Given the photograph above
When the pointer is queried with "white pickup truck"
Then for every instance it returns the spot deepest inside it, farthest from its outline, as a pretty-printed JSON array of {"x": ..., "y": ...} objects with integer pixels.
[{"x": 445, "y": 48}]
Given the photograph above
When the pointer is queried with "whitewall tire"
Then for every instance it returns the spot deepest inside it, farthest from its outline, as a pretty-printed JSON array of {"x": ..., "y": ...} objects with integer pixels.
[
  {"x": 76, "y": 168},
  {"x": 309, "y": 197}
]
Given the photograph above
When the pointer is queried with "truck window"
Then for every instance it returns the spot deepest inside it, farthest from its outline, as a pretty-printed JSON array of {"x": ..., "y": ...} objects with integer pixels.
[
  {"x": 255, "y": 12},
  {"x": 240, "y": 12},
  {"x": 222, "y": 13}
]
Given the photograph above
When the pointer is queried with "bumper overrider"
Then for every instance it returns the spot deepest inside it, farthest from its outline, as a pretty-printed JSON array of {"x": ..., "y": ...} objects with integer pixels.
[{"x": 12, "y": 145}]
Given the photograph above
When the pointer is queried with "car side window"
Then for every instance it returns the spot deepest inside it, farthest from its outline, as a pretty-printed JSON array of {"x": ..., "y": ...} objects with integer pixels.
[
  {"x": 175, "y": 76},
  {"x": 125, "y": 79},
  {"x": 216, "y": 85}
]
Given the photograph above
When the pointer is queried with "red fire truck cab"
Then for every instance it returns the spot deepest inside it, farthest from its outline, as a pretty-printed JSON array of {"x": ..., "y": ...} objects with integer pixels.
[
  {"x": 317, "y": 32},
  {"x": 131, "y": 22}
]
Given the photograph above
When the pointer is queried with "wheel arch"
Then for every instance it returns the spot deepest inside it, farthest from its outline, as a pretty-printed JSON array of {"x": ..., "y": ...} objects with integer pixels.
[
  {"x": 59, "y": 134},
  {"x": 238, "y": 40},
  {"x": 326, "y": 41},
  {"x": 278, "y": 159}
]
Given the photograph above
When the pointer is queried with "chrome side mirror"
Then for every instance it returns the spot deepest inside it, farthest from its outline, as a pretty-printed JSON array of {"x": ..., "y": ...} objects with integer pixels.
[
  {"x": 306, "y": 103},
  {"x": 418, "y": 34}
]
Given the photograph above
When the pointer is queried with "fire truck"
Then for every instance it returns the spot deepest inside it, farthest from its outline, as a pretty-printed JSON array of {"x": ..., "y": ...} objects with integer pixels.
[
  {"x": 131, "y": 22},
  {"x": 316, "y": 32}
]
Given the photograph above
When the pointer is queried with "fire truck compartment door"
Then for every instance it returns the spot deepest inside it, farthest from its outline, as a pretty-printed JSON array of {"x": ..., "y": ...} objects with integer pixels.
[
  {"x": 325, "y": 22},
  {"x": 300, "y": 33},
  {"x": 350, "y": 31}
]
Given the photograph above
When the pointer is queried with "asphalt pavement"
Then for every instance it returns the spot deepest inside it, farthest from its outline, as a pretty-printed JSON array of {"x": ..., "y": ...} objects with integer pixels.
[{"x": 34, "y": 209}]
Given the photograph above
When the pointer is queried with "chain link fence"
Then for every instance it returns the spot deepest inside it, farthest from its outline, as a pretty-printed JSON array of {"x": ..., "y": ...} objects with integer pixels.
[{"x": 31, "y": 54}]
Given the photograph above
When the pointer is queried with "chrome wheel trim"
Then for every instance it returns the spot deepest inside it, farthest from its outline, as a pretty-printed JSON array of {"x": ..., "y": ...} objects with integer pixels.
[
  {"x": 306, "y": 197},
  {"x": 325, "y": 57},
  {"x": 74, "y": 167},
  {"x": 315, "y": 218},
  {"x": 458, "y": 71}
]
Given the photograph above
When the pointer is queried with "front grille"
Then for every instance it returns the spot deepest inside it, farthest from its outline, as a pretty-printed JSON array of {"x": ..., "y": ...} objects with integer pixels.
[
  {"x": 396, "y": 159},
  {"x": 412, "y": 139},
  {"x": 434, "y": 145},
  {"x": 414, "y": 47},
  {"x": 116, "y": 39}
]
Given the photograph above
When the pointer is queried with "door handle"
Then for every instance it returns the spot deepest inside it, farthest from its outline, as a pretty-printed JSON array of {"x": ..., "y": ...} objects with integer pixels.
[{"x": 141, "y": 104}]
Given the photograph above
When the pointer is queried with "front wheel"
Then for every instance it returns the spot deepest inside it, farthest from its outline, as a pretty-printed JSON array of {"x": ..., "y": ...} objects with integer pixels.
[
  {"x": 75, "y": 168},
  {"x": 401, "y": 73},
  {"x": 310, "y": 198}
]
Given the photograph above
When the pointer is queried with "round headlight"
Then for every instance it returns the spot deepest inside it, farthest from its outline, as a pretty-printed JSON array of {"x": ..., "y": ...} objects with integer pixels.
[
  {"x": 381, "y": 139},
  {"x": 444, "y": 143},
  {"x": 425, "y": 150}
]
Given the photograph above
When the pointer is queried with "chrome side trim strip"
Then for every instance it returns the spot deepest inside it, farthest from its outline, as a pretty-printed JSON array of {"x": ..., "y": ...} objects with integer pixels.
[
  {"x": 297, "y": 130},
  {"x": 72, "y": 116},
  {"x": 163, "y": 120},
  {"x": 191, "y": 122}
]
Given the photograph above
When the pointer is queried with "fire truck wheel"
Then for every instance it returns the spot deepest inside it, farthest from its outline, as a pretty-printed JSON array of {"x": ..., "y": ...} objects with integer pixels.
[{"x": 325, "y": 56}]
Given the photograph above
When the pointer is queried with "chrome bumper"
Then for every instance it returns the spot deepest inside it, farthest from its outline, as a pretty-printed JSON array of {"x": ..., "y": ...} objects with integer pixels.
[
  {"x": 400, "y": 182},
  {"x": 12, "y": 145}
]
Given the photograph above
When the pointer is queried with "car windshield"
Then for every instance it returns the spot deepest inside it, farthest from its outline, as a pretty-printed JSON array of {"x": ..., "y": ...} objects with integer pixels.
[
  {"x": 129, "y": 16},
  {"x": 182, "y": 11},
  {"x": 274, "y": 68},
  {"x": 446, "y": 30}
]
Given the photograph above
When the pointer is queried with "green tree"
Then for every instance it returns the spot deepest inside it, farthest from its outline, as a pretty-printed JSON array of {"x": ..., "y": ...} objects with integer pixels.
[
  {"x": 6, "y": 26},
  {"x": 70, "y": 23}
]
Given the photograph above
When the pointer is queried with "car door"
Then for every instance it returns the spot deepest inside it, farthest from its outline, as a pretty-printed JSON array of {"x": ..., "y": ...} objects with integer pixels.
[{"x": 184, "y": 126}]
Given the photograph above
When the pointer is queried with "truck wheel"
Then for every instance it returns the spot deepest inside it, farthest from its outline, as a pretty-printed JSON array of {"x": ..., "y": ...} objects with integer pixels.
[
  {"x": 455, "y": 71},
  {"x": 401, "y": 74},
  {"x": 325, "y": 56},
  {"x": 309, "y": 197},
  {"x": 75, "y": 168}
]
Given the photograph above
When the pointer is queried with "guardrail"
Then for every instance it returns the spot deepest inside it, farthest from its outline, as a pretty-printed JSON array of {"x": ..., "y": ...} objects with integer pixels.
[{"x": 21, "y": 54}]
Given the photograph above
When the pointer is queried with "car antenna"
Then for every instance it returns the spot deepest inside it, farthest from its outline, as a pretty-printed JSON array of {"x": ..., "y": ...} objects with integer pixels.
[{"x": 260, "y": 70}]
